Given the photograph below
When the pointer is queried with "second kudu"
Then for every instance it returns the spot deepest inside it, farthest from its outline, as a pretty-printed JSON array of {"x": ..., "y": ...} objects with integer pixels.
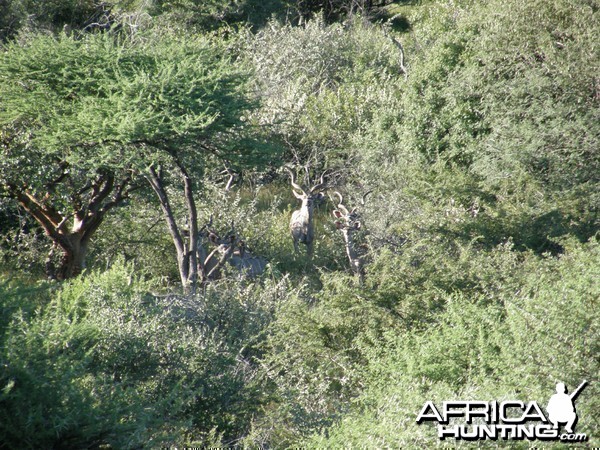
[
  {"x": 229, "y": 249},
  {"x": 348, "y": 222},
  {"x": 302, "y": 222}
]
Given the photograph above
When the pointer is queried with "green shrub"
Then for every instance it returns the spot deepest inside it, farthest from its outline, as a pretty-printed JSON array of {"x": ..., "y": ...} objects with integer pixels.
[
  {"x": 106, "y": 362},
  {"x": 518, "y": 347},
  {"x": 321, "y": 83}
]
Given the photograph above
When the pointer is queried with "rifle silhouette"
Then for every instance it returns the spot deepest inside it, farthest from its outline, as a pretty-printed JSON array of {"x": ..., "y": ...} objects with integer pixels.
[{"x": 578, "y": 390}]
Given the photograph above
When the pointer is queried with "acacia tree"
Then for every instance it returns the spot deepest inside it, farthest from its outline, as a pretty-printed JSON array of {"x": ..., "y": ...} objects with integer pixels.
[{"x": 84, "y": 118}]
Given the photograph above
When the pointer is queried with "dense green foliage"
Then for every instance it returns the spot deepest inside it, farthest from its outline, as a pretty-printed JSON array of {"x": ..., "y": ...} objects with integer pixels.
[
  {"x": 473, "y": 126},
  {"x": 102, "y": 360},
  {"x": 19, "y": 15},
  {"x": 112, "y": 101},
  {"x": 513, "y": 342}
]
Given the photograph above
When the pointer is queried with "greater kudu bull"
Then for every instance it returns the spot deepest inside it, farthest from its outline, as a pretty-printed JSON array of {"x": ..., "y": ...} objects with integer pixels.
[{"x": 302, "y": 222}]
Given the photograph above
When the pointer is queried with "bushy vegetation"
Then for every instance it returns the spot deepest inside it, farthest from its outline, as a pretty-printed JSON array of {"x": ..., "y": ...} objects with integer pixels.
[
  {"x": 102, "y": 360},
  {"x": 463, "y": 135},
  {"x": 515, "y": 341}
]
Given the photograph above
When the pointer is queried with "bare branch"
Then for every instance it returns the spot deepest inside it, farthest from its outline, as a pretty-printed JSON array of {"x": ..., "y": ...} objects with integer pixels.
[
  {"x": 64, "y": 222},
  {"x": 232, "y": 175},
  {"x": 193, "y": 223},
  {"x": 101, "y": 189},
  {"x": 397, "y": 43}
]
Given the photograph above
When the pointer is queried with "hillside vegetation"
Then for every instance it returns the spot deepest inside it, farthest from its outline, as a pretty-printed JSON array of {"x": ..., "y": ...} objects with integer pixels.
[{"x": 152, "y": 154}]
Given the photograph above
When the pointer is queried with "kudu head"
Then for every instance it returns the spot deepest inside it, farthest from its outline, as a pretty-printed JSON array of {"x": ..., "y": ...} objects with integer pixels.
[
  {"x": 229, "y": 249},
  {"x": 223, "y": 243},
  {"x": 211, "y": 261},
  {"x": 309, "y": 196},
  {"x": 347, "y": 220}
]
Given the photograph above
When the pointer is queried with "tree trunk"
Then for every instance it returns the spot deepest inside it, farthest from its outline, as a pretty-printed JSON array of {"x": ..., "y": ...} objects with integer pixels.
[
  {"x": 192, "y": 247},
  {"x": 186, "y": 252},
  {"x": 72, "y": 262},
  {"x": 89, "y": 205}
]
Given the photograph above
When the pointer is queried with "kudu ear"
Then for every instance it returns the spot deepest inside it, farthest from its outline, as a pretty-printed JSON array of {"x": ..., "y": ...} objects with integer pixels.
[
  {"x": 357, "y": 225},
  {"x": 337, "y": 214},
  {"x": 339, "y": 225},
  {"x": 212, "y": 237}
]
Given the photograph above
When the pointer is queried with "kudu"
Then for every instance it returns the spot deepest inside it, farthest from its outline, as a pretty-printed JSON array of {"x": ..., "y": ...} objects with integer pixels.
[
  {"x": 348, "y": 222},
  {"x": 302, "y": 222},
  {"x": 246, "y": 263},
  {"x": 228, "y": 249}
]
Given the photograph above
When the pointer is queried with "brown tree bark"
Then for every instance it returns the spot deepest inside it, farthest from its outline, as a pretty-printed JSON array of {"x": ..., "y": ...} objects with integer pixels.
[{"x": 72, "y": 233}]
